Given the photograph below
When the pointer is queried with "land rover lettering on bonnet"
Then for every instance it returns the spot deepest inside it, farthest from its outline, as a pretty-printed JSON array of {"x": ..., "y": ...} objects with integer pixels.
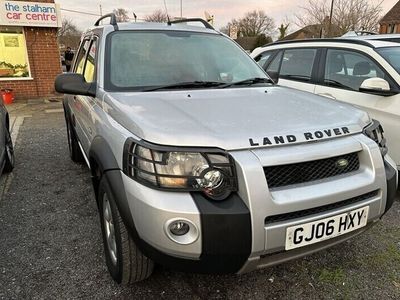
[
  {"x": 306, "y": 136},
  {"x": 166, "y": 135}
]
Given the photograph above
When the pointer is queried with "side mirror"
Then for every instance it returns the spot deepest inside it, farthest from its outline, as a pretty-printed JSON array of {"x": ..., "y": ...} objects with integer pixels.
[
  {"x": 75, "y": 84},
  {"x": 376, "y": 86},
  {"x": 274, "y": 76}
]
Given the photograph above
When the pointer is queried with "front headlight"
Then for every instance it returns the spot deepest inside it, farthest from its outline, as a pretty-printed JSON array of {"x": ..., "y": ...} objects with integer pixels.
[
  {"x": 211, "y": 171},
  {"x": 375, "y": 132}
]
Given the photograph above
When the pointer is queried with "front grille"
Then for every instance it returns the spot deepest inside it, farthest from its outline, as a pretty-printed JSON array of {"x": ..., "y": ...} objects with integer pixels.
[
  {"x": 319, "y": 209},
  {"x": 285, "y": 175}
]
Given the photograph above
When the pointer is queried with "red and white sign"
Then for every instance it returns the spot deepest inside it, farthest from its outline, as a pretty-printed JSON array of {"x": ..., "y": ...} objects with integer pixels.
[{"x": 34, "y": 14}]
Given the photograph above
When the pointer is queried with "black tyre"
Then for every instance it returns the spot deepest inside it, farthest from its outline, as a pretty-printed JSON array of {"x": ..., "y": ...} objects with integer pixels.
[
  {"x": 10, "y": 159},
  {"x": 73, "y": 146},
  {"x": 398, "y": 186},
  {"x": 125, "y": 262}
]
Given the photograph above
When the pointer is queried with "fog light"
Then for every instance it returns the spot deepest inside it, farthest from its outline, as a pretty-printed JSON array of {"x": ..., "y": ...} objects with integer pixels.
[
  {"x": 179, "y": 228},
  {"x": 181, "y": 231}
]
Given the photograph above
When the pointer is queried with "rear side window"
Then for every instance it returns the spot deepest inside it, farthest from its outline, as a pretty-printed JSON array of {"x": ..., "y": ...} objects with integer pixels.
[
  {"x": 90, "y": 68},
  {"x": 80, "y": 60},
  {"x": 297, "y": 64}
]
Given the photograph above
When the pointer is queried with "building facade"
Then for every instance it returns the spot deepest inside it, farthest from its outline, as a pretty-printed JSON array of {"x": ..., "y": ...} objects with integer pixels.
[
  {"x": 390, "y": 23},
  {"x": 29, "y": 53}
]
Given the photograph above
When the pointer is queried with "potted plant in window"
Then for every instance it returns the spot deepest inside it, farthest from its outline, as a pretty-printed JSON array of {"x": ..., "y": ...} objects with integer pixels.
[{"x": 6, "y": 69}]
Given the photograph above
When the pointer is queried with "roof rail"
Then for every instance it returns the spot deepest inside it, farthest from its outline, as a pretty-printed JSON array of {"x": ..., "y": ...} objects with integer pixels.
[
  {"x": 316, "y": 40},
  {"x": 204, "y": 22},
  {"x": 113, "y": 20}
]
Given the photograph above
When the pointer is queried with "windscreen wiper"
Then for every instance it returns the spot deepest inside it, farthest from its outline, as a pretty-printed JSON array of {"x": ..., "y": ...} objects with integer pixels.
[
  {"x": 248, "y": 81},
  {"x": 189, "y": 84}
]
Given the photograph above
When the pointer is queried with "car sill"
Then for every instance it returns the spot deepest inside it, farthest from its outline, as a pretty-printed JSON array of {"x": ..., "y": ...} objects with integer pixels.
[{"x": 84, "y": 155}]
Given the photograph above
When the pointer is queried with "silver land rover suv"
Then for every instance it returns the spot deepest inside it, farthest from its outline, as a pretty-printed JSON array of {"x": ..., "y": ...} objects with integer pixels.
[{"x": 202, "y": 164}]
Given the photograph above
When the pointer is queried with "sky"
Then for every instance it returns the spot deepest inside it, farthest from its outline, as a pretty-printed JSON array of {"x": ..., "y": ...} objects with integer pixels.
[{"x": 223, "y": 10}]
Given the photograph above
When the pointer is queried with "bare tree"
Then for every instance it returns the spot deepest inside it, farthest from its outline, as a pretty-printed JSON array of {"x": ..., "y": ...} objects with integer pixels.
[
  {"x": 157, "y": 16},
  {"x": 347, "y": 15},
  {"x": 255, "y": 23},
  {"x": 68, "y": 34},
  {"x": 122, "y": 15}
]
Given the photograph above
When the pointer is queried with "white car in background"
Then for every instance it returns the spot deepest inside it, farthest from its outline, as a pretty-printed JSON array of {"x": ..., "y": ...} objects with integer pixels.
[{"x": 358, "y": 71}]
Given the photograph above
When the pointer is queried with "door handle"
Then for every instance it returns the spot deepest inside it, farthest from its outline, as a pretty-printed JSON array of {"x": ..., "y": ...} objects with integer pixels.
[{"x": 327, "y": 95}]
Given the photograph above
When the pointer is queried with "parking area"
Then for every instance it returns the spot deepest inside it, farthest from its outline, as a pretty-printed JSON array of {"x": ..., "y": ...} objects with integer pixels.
[{"x": 51, "y": 240}]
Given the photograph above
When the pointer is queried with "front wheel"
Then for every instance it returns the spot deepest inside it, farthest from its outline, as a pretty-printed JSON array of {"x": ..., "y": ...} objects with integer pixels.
[
  {"x": 10, "y": 159},
  {"x": 125, "y": 262}
]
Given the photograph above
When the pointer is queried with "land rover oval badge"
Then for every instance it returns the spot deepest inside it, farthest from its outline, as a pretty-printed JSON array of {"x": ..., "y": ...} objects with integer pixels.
[{"x": 342, "y": 163}]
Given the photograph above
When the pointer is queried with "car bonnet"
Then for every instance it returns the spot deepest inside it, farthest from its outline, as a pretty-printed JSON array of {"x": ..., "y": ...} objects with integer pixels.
[{"x": 236, "y": 118}]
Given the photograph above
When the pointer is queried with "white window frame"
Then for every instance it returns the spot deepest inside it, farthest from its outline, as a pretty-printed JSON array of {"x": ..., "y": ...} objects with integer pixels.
[{"x": 27, "y": 60}]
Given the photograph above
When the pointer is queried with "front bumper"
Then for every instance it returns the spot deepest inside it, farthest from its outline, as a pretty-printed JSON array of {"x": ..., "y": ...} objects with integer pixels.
[
  {"x": 277, "y": 257},
  {"x": 234, "y": 235},
  {"x": 224, "y": 242}
]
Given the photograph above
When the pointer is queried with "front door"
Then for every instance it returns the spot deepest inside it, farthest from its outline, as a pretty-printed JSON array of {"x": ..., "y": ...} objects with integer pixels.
[{"x": 345, "y": 70}]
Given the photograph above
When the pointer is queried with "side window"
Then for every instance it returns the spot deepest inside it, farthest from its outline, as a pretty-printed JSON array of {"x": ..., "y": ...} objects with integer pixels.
[
  {"x": 263, "y": 58},
  {"x": 90, "y": 68},
  {"x": 275, "y": 63},
  {"x": 80, "y": 60},
  {"x": 297, "y": 64},
  {"x": 348, "y": 69}
]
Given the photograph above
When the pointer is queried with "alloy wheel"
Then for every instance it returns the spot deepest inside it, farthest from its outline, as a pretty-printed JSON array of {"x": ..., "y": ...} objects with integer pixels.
[{"x": 109, "y": 229}]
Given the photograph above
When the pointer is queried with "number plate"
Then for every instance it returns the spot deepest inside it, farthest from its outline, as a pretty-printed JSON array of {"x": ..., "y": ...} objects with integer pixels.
[{"x": 324, "y": 229}]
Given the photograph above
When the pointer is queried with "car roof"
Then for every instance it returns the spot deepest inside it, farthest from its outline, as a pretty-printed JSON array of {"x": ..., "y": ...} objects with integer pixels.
[{"x": 349, "y": 40}]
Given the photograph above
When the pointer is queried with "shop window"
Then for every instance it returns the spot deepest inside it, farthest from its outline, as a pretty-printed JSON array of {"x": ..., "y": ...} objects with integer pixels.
[{"x": 13, "y": 53}]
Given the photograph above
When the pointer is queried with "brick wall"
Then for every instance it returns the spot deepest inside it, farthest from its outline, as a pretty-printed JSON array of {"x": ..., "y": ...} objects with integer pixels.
[{"x": 44, "y": 62}]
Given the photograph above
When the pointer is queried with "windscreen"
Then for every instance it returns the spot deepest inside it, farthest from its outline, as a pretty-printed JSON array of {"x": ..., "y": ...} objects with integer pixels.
[
  {"x": 140, "y": 59},
  {"x": 392, "y": 56}
]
